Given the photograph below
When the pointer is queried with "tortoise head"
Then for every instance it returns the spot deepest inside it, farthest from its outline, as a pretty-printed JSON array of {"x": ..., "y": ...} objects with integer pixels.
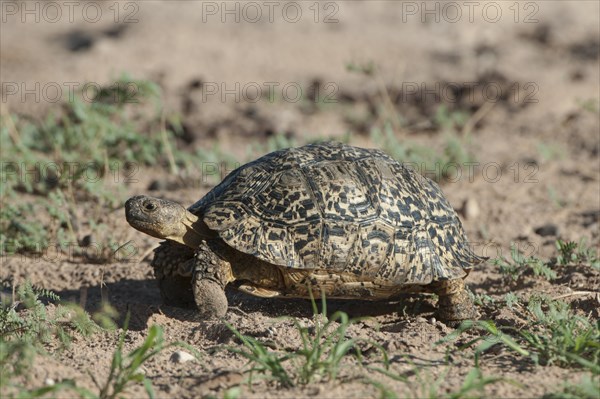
[{"x": 164, "y": 219}]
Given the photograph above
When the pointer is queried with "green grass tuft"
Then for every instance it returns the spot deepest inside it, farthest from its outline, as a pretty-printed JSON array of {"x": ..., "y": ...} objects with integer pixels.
[
  {"x": 319, "y": 358},
  {"x": 26, "y": 328},
  {"x": 519, "y": 264},
  {"x": 570, "y": 252},
  {"x": 555, "y": 335}
]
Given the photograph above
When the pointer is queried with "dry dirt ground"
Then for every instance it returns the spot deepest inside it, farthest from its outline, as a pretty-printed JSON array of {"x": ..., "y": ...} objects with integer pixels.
[{"x": 532, "y": 118}]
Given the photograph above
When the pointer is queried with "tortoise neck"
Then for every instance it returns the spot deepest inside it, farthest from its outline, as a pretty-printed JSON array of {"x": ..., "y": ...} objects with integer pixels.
[{"x": 195, "y": 231}]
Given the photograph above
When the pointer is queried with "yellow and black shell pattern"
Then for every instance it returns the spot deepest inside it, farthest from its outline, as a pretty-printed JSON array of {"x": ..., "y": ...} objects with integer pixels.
[{"x": 343, "y": 209}]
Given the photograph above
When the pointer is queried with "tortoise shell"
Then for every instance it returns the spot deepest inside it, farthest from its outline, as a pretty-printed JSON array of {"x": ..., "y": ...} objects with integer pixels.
[{"x": 342, "y": 209}]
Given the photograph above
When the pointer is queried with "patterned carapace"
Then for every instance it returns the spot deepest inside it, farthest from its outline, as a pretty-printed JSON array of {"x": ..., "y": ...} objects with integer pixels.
[{"x": 340, "y": 209}]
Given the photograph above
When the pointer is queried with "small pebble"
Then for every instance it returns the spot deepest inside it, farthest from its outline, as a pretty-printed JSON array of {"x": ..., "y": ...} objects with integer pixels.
[
  {"x": 470, "y": 209},
  {"x": 432, "y": 320},
  {"x": 271, "y": 331},
  {"x": 48, "y": 382},
  {"x": 181, "y": 357},
  {"x": 547, "y": 230}
]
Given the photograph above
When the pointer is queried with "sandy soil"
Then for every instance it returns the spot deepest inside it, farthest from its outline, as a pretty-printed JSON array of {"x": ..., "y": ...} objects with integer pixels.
[{"x": 534, "y": 72}]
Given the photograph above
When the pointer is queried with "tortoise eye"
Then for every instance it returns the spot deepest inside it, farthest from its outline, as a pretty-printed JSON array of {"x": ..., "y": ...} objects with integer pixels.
[{"x": 150, "y": 206}]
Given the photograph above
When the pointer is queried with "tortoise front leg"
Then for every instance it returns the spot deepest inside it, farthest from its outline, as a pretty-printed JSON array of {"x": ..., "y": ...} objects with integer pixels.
[
  {"x": 455, "y": 304},
  {"x": 211, "y": 275}
]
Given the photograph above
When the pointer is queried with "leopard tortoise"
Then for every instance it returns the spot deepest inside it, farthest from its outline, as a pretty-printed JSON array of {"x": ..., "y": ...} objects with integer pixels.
[{"x": 325, "y": 218}]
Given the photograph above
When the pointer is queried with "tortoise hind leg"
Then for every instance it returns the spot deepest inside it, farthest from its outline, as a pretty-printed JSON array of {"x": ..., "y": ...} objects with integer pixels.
[
  {"x": 177, "y": 291},
  {"x": 454, "y": 304},
  {"x": 173, "y": 265}
]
